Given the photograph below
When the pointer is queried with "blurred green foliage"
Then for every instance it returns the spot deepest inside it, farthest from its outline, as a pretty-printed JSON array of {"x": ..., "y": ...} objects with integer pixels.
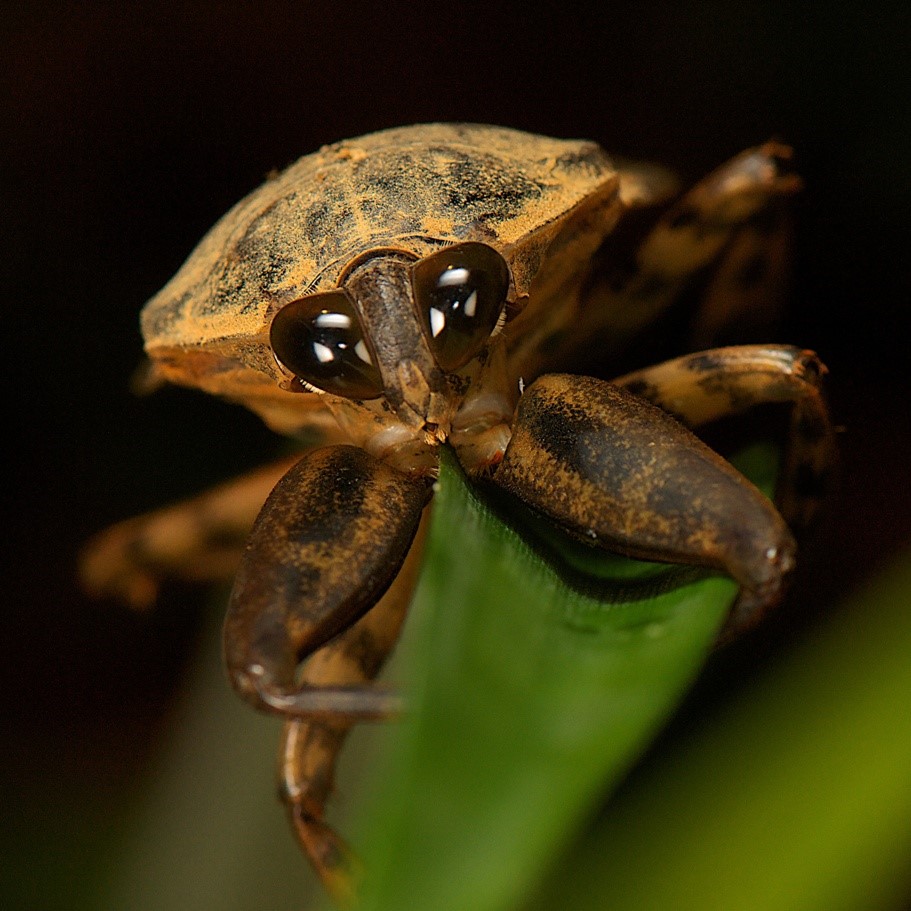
[{"x": 798, "y": 795}]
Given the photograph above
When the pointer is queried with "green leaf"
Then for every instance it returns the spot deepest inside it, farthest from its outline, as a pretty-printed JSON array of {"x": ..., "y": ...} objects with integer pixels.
[{"x": 537, "y": 671}]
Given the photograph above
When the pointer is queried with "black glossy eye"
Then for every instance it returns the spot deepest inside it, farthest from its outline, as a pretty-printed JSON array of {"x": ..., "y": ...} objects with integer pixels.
[
  {"x": 320, "y": 339},
  {"x": 460, "y": 293}
]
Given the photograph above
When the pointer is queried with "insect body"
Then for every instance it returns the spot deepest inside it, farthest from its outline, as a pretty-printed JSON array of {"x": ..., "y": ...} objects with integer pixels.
[{"x": 422, "y": 286}]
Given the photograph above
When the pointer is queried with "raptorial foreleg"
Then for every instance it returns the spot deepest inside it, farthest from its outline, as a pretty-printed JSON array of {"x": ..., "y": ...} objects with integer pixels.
[{"x": 623, "y": 474}]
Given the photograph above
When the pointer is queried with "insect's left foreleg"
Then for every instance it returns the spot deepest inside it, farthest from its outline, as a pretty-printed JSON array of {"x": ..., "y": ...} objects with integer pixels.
[
  {"x": 619, "y": 472},
  {"x": 703, "y": 387}
]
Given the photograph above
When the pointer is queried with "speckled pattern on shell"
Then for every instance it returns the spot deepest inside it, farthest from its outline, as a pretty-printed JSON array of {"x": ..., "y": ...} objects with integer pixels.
[{"x": 412, "y": 187}]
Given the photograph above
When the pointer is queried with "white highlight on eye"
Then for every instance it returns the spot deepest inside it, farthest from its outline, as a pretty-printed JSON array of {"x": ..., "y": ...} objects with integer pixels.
[
  {"x": 324, "y": 354},
  {"x": 437, "y": 321},
  {"x": 360, "y": 349},
  {"x": 455, "y": 276},
  {"x": 471, "y": 304},
  {"x": 327, "y": 320}
]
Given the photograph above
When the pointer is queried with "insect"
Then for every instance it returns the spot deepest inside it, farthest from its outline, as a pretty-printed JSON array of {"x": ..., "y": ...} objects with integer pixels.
[{"x": 441, "y": 285}]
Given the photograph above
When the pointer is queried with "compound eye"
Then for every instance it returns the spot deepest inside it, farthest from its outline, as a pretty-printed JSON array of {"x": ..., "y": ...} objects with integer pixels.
[
  {"x": 460, "y": 292},
  {"x": 321, "y": 341}
]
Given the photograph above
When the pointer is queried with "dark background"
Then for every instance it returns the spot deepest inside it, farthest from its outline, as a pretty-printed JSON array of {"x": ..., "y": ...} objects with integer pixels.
[{"x": 127, "y": 129}]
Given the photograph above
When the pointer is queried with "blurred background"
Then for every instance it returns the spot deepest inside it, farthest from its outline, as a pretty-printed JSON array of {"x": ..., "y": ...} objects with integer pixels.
[{"x": 128, "y": 129}]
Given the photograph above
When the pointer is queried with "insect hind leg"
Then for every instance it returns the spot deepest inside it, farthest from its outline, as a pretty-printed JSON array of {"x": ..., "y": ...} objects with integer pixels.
[{"x": 717, "y": 259}]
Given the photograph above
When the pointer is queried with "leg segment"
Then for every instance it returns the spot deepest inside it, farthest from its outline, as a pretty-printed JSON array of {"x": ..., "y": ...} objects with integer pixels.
[
  {"x": 731, "y": 225},
  {"x": 198, "y": 540},
  {"x": 747, "y": 291},
  {"x": 309, "y": 749},
  {"x": 327, "y": 544},
  {"x": 307, "y": 757},
  {"x": 621, "y": 473},
  {"x": 703, "y": 387}
]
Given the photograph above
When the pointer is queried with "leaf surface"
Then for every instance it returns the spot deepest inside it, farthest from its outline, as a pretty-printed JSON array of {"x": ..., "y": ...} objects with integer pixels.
[{"x": 537, "y": 671}]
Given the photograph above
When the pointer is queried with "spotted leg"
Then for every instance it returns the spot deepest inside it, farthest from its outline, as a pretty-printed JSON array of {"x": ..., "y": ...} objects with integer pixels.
[
  {"x": 729, "y": 234},
  {"x": 699, "y": 388},
  {"x": 622, "y": 473},
  {"x": 197, "y": 540},
  {"x": 329, "y": 541}
]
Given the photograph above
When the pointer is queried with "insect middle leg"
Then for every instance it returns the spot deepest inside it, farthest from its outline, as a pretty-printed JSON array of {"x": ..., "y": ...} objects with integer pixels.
[
  {"x": 197, "y": 540},
  {"x": 699, "y": 388}
]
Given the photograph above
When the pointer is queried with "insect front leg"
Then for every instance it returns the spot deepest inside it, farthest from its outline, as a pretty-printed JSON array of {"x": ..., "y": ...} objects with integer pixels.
[
  {"x": 309, "y": 749},
  {"x": 307, "y": 756},
  {"x": 328, "y": 542},
  {"x": 621, "y": 473},
  {"x": 703, "y": 387}
]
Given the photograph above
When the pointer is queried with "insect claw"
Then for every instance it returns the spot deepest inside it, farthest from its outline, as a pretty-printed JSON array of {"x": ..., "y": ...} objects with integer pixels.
[{"x": 338, "y": 867}]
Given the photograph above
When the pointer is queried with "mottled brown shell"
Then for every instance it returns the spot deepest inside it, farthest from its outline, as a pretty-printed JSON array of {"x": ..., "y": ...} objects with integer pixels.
[{"x": 412, "y": 188}]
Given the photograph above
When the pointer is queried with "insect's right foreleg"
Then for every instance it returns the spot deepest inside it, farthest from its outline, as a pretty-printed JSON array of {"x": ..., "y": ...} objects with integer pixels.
[
  {"x": 309, "y": 749},
  {"x": 326, "y": 546}
]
